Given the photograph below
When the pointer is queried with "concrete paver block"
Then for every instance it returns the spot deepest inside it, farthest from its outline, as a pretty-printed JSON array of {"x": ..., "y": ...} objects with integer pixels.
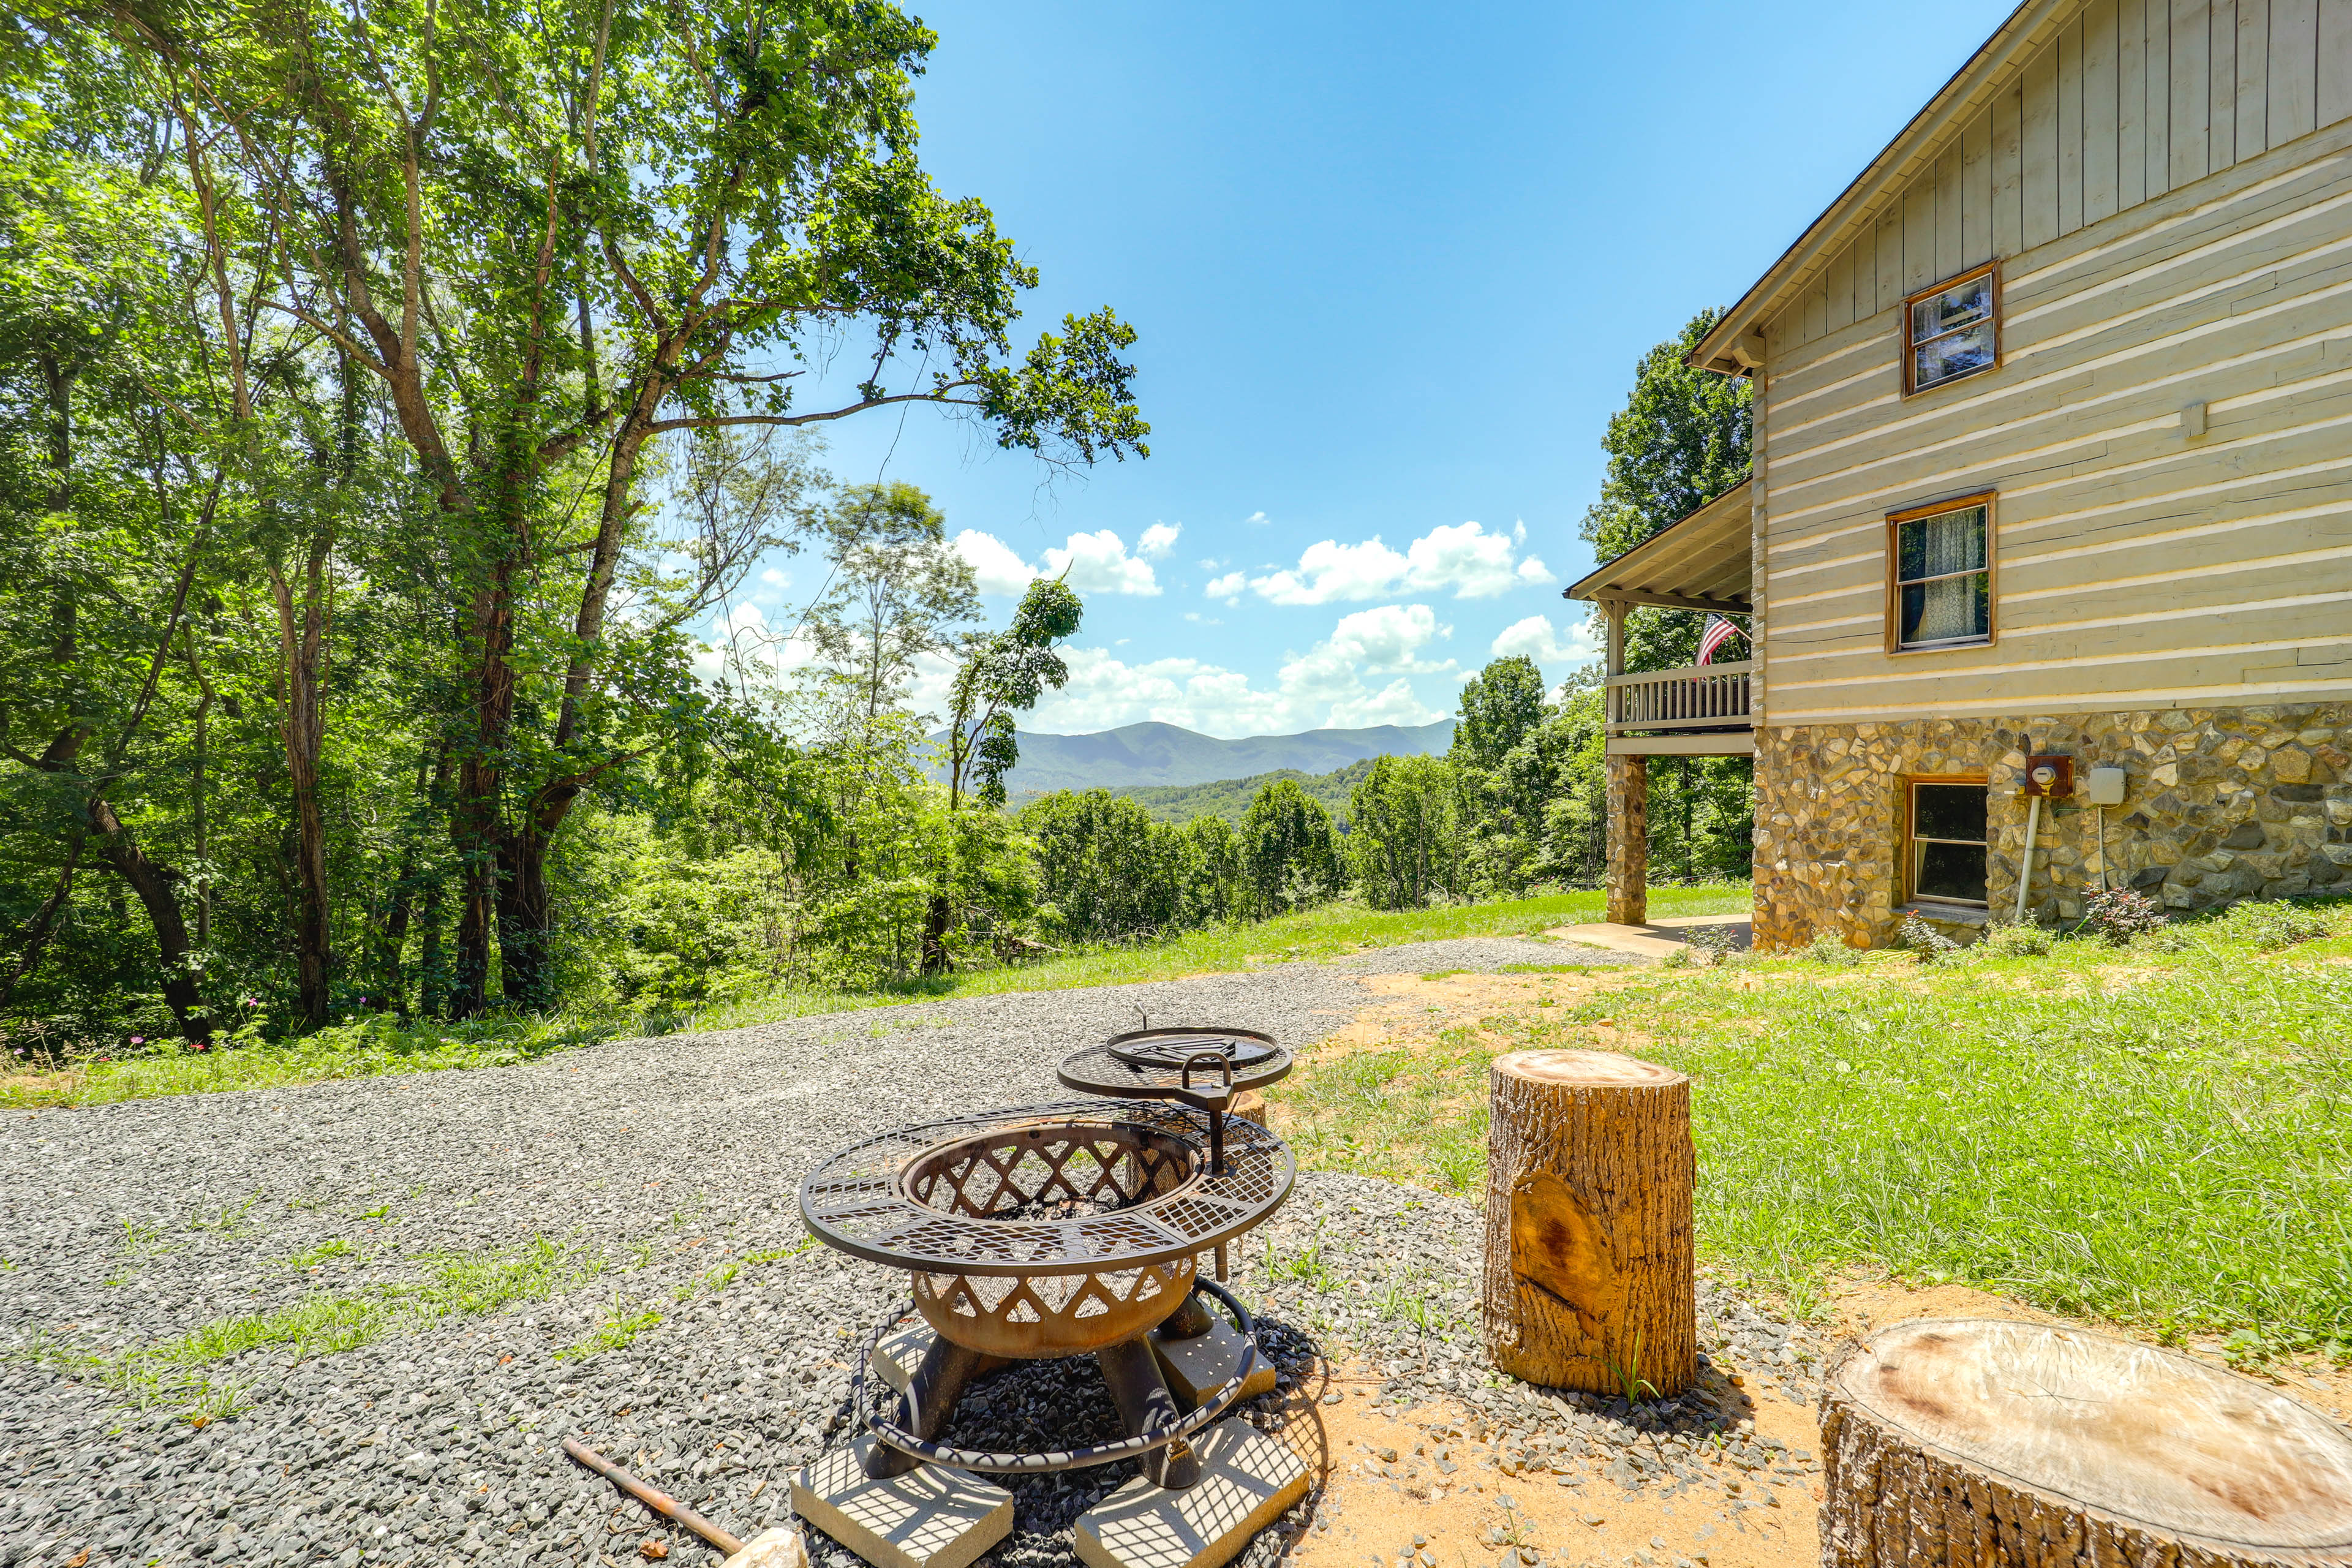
[
  {"x": 900, "y": 1352},
  {"x": 1247, "y": 1480},
  {"x": 1199, "y": 1366},
  {"x": 931, "y": 1517}
]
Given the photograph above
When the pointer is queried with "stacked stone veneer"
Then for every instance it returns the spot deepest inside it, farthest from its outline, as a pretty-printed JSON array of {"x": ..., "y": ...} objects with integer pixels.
[{"x": 2221, "y": 804}]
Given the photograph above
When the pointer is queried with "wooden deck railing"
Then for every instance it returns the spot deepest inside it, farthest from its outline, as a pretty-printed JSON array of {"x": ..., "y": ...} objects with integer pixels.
[{"x": 1703, "y": 696}]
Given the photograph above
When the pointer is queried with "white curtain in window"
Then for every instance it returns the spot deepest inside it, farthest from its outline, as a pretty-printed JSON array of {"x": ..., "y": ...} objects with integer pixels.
[{"x": 1949, "y": 543}]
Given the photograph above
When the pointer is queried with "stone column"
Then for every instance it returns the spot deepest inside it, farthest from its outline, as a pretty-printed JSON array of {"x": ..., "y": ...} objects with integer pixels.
[{"x": 1629, "y": 841}]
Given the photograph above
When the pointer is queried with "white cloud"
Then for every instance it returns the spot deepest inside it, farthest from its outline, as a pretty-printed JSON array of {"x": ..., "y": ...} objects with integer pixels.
[
  {"x": 775, "y": 579},
  {"x": 1322, "y": 687},
  {"x": 995, "y": 562},
  {"x": 1461, "y": 557},
  {"x": 1557, "y": 651},
  {"x": 1097, "y": 562},
  {"x": 1228, "y": 587},
  {"x": 1256, "y": 517}
]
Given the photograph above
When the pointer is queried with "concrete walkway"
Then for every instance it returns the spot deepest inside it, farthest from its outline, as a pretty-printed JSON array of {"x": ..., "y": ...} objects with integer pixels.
[{"x": 1658, "y": 938}]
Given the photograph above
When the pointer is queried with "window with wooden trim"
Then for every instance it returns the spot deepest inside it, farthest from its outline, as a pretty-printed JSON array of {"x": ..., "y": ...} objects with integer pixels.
[
  {"x": 1939, "y": 572},
  {"x": 1952, "y": 330},
  {"x": 1946, "y": 833}
]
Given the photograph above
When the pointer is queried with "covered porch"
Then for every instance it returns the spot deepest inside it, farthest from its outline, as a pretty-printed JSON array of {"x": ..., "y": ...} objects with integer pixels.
[{"x": 1703, "y": 563}]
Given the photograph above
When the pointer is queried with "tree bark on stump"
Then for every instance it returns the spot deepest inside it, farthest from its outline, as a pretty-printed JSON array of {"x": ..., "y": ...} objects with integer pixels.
[
  {"x": 1589, "y": 1257},
  {"x": 1970, "y": 1443}
]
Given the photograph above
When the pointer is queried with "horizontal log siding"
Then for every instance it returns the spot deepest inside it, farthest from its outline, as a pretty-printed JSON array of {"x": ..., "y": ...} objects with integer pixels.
[
  {"x": 2138, "y": 566},
  {"x": 2131, "y": 100}
]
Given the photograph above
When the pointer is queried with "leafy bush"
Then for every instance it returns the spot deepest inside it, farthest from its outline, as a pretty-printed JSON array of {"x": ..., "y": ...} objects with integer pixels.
[
  {"x": 2119, "y": 914},
  {"x": 1829, "y": 947},
  {"x": 2271, "y": 924},
  {"x": 2015, "y": 941},
  {"x": 1405, "y": 832},
  {"x": 1924, "y": 940}
]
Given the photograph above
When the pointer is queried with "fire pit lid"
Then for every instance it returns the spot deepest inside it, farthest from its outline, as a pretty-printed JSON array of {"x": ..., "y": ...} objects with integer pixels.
[
  {"x": 855, "y": 1202},
  {"x": 1146, "y": 1064}
]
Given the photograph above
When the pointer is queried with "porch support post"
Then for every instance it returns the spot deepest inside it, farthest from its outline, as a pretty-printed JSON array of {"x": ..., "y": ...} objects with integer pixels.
[{"x": 1629, "y": 841}]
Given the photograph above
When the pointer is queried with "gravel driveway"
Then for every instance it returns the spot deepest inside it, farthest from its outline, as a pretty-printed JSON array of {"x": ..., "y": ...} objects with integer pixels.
[{"x": 605, "y": 1241}]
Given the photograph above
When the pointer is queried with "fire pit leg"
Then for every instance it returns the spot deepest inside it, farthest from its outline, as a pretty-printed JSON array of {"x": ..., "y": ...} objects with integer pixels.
[
  {"x": 1188, "y": 1320},
  {"x": 1146, "y": 1405},
  {"x": 931, "y": 1398}
]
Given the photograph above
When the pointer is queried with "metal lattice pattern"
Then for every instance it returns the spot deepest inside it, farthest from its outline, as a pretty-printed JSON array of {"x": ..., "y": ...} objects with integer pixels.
[
  {"x": 1170, "y": 1049},
  {"x": 934, "y": 1198}
]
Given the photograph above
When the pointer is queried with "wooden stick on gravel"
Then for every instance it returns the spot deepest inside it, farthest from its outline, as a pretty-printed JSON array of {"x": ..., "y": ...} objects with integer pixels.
[
  {"x": 1975, "y": 1442},
  {"x": 661, "y": 1502}
]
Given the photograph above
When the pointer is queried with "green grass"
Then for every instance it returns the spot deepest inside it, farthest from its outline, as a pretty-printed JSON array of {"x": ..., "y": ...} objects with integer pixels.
[
  {"x": 189, "y": 1373},
  {"x": 2158, "y": 1137},
  {"x": 378, "y": 1045}
]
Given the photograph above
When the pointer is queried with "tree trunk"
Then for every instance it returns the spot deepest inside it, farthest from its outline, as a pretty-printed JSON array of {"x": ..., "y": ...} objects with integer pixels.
[
  {"x": 301, "y": 635},
  {"x": 1589, "y": 1281},
  {"x": 152, "y": 883},
  {"x": 481, "y": 778},
  {"x": 1629, "y": 841},
  {"x": 526, "y": 911},
  {"x": 935, "y": 931},
  {"x": 1970, "y": 1443}
]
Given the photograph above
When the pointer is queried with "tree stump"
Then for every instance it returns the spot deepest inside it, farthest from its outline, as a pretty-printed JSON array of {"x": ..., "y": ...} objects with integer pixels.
[
  {"x": 1970, "y": 1443},
  {"x": 1589, "y": 1260}
]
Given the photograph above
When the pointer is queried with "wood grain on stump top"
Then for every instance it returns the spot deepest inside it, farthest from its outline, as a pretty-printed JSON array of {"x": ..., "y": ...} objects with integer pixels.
[
  {"x": 1597, "y": 1069},
  {"x": 2135, "y": 1432}
]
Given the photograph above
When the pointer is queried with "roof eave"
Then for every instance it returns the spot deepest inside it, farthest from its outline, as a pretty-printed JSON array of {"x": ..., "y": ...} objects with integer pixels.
[{"x": 1724, "y": 348}]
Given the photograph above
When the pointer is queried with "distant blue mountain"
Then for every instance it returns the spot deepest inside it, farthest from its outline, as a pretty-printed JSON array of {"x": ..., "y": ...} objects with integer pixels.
[{"x": 1163, "y": 755}]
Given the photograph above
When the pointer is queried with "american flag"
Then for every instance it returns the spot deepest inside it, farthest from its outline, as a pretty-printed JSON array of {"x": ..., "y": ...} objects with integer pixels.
[{"x": 1713, "y": 635}]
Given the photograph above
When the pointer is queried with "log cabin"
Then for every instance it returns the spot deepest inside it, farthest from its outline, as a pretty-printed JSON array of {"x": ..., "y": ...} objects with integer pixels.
[{"x": 2048, "y": 533}]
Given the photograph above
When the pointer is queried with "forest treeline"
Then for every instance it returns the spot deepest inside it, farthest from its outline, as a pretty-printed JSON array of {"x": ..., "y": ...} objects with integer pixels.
[{"x": 389, "y": 412}]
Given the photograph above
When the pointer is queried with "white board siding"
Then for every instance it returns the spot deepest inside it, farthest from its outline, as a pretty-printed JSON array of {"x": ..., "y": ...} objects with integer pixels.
[
  {"x": 2130, "y": 100},
  {"x": 2133, "y": 560}
]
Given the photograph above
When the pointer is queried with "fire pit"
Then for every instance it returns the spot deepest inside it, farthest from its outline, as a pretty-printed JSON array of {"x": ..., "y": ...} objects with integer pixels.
[
  {"x": 1070, "y": 1228},
  {"x": 1047, "y": 1230}
]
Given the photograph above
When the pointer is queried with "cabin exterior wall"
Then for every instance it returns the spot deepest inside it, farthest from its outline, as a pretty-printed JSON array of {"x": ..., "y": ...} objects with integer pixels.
[{"x": 2167, "y": 188}]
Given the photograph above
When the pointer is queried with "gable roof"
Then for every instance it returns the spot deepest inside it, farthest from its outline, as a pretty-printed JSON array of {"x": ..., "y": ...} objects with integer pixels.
[
  {"x": 1989, "y": 71},
  {"x": 1700, "y": 562}
]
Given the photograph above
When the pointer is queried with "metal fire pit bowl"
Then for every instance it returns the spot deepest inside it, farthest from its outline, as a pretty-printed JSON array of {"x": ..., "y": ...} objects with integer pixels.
[{"x": 1048, "y": 1230}]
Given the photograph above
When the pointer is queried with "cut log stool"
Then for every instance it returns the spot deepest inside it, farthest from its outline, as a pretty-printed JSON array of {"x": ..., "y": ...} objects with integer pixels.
[
  {"x": 1973, "y": 1442},
  {"x": 1588, "y": 1254}
]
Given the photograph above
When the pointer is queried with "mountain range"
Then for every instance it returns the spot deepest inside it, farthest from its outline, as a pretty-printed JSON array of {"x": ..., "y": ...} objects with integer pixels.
[{"x": 1152, "y": 754}]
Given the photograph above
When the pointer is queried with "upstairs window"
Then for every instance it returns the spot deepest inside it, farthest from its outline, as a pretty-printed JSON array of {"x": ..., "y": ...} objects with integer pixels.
[
  {"x": 1952, "y": 330},
  {"x": 1947, "y": 842},
  {"x": 1940, "y": 570}
]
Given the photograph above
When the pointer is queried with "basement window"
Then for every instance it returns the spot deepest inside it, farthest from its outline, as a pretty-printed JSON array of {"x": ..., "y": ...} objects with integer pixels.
[
  {"x": 1947, "y": 842},
  {"x": 1939, "y": 575},
  {"x": 1952, "y": 330}
]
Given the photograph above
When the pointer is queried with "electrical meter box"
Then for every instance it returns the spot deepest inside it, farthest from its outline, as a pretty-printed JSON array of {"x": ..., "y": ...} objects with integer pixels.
[
  {"x": 2050, "y": 776},
  {"x": 2106, "y": 786}
]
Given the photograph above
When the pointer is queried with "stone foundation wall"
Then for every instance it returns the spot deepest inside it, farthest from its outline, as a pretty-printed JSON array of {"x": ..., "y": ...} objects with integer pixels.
[{"x": 2221, "y": 804}]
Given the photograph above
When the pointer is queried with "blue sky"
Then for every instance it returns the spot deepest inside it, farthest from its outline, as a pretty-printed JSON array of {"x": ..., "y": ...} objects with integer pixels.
[{"x": 1391, "y": 268}]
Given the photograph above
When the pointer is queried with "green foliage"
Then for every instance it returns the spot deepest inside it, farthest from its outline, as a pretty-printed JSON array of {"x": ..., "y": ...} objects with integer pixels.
[
  {"x": 1287, "y": 854},
  {"x": 1405, "y": 832},
  {"x": 1500, "y": 705},
  {"x": 1230, "y": 798},
  {"x": 1001, "y": 676},
  {"x": 1106, "y": 872},
  {"x": 1681, "y": 440}
]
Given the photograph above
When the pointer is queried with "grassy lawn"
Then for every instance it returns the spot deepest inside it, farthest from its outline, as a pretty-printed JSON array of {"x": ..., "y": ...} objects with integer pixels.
[
  {"x": 2159, "y": 1138},
  {"x": 375, "y": 1046}
]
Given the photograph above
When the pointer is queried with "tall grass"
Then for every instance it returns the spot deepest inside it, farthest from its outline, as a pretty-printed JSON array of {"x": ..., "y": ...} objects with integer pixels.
[{"x": 2163, "y": 1138}]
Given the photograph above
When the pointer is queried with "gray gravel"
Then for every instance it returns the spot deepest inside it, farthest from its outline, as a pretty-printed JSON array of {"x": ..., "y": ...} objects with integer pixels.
[{"x": 603, "y": 1243}]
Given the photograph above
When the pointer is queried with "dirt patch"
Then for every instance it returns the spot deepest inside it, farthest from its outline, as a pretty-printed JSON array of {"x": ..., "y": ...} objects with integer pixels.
[{"x": 1385, "y": 1510}]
